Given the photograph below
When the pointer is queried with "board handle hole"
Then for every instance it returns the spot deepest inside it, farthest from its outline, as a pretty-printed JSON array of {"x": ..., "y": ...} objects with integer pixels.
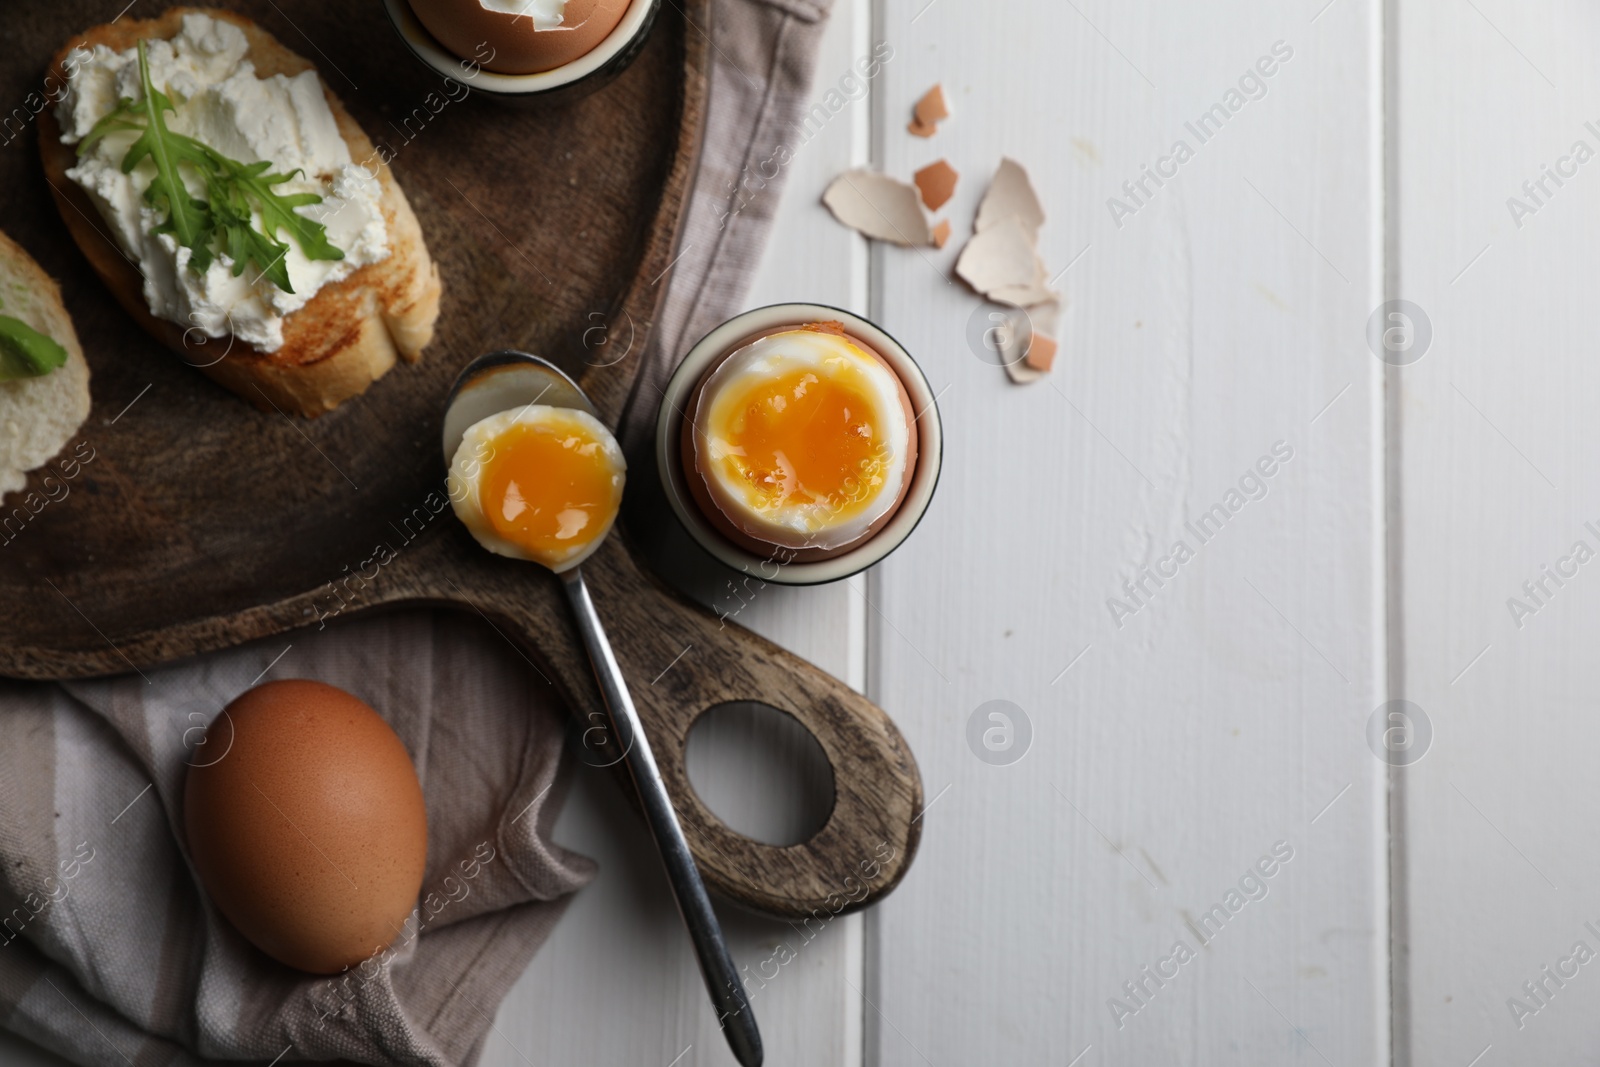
[{"x": 760, "y": 771}]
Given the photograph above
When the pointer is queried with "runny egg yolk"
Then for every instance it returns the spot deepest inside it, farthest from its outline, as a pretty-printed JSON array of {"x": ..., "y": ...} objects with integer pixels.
[
  {"x": 802, "y": 439},
  {"x": 549, "y": 488},
  {"x": 806, "y": 436}
]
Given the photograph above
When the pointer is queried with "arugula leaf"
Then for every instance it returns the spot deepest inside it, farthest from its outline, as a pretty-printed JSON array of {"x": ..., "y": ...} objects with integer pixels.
[
  {"x": 277, "y": 212},
  {"x": 247, "y": 182},
  {"x": 186, "y": 217},
  {"x": 118, "y": 118},
  {"x": 25, "y": 352},
  {"x": 243, "y": 243},
  {"x": 225, "y": 220}
]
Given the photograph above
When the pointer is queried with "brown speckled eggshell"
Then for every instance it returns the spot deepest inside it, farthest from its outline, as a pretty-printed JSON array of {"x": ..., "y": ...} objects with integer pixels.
[
  {"x": 306, "y": 823},
  {"x": 508, "y": 44}
]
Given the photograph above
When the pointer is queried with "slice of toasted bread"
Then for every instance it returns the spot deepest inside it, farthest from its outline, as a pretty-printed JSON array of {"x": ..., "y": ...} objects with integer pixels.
[
  {"x": 37, "y": 415},
  {"x": 346, "y": 337}
]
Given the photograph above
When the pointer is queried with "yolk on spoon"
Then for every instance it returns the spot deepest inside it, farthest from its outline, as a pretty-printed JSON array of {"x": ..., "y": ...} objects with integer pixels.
[{"x": 549, "y": 488}]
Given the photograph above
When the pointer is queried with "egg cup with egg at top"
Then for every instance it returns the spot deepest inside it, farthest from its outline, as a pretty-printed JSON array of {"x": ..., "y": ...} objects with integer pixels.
[
  {"x": 525, "y": 51},
  {"x": 798, "y": 442}
]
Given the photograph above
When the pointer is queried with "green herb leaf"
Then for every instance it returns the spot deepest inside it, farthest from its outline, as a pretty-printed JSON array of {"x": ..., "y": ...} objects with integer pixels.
[
  {"x": 224, "y": 221},
  {"x": 240, "y": 185},
  {"x": 244, "y": 244},
  {"x": 277, "y": 212},
  {"x": 25, "y": 352},
  {"x": 118, "y": 118},
  {"x": 186, "y": 217}
]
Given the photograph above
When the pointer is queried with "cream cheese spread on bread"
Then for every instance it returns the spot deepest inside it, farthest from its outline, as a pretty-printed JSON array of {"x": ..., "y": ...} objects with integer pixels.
[{"x": 220, "y": 101}]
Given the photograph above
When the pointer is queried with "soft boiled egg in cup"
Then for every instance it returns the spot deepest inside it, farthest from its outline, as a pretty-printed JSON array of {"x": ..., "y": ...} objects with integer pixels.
[
  {"x": 536, "y": 476},
  {"x": 800, "y": 442}
]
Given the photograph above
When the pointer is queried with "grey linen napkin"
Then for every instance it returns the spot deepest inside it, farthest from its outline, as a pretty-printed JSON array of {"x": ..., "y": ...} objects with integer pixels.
[{"x": 109, "y": 953}]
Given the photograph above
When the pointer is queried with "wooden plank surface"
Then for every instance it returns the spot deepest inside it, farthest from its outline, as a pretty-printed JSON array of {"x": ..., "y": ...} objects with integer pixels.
[
  {"x": 1496, "y": 482},
  {"x": 1226, "y": 713}
]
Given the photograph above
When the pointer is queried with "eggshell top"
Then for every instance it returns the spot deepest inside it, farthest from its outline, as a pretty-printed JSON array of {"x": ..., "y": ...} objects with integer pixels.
[
  {"x": 520, "y": 36},
  {"x": 306, "y": 823}
]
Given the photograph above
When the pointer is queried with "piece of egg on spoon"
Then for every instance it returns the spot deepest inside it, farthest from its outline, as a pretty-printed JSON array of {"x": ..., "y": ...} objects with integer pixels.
[
  {"x": 539, "y": 483},
  {"x": 520, "y": 36},
  {"x": 803, "y": 439}
]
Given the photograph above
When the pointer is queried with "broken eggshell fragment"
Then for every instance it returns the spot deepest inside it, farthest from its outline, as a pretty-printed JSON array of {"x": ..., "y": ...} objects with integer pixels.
[
  {"x": 880, "y": 207},
  {"x": 937, "y": 183},
  {"x": 929, "y": 111},
  {"x": 1011, "y": 195},
  {"x": 1002, "y": 264},
  {"x": 1029, "y": 353}
]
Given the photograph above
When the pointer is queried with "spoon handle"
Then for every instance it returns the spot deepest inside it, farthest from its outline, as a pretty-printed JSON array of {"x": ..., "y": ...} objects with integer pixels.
[{"x": 716, "y": 965}]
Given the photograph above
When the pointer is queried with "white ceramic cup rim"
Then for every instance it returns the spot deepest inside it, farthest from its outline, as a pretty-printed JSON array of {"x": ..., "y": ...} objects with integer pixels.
[
  {"x": 450, "y": 65},
  {"x": 716, "y": 344}
]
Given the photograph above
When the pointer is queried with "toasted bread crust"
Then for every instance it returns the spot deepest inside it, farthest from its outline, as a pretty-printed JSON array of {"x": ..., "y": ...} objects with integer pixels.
[{"x": 350, "y": 332}]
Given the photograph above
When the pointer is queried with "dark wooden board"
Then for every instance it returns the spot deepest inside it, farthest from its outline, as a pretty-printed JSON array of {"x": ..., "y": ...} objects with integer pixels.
[{"x": 202, "y": 522}]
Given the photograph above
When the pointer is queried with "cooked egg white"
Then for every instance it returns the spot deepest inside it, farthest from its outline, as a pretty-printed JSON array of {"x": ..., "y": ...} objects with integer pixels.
[
  {"x": 801, "y": 438},
  {"x": 538, "y": 483}
]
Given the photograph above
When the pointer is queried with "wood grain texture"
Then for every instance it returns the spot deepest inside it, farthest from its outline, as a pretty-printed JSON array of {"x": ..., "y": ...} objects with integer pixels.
[
  {"x": 1229, "y": 710},
  {"x": 188, "y": 473},
  {"x": 1497, "y": 453},
  {"x": 213, "y": 524}
]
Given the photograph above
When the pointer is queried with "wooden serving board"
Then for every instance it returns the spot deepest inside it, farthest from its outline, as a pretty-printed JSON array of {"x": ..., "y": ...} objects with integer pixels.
[{"x": 201, "y": 522}]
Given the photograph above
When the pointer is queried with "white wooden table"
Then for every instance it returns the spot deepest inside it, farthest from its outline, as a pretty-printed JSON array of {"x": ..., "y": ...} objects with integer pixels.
[{"x": 1221, "y": 719}]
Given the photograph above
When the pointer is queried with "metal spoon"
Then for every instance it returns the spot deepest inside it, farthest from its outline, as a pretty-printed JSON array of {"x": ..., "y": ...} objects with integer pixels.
[{"x": 501, "y": 381}]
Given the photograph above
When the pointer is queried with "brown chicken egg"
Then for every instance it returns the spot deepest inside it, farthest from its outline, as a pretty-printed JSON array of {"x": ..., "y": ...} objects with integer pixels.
[
  {"x": 520, "y": 36},
  {"x": 306, "y": 823}
]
